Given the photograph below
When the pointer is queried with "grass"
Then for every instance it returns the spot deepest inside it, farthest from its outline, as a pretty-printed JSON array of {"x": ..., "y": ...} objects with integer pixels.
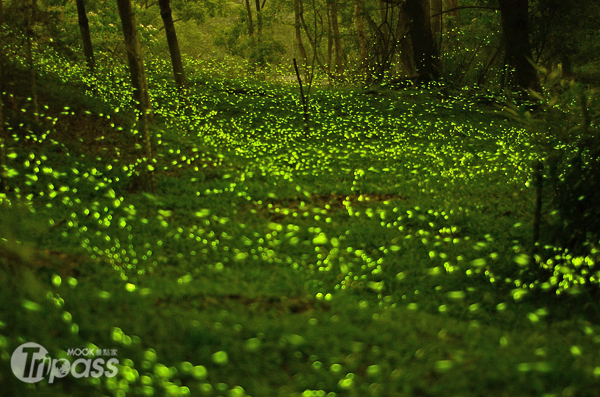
[{"x": 383, "y": 253}]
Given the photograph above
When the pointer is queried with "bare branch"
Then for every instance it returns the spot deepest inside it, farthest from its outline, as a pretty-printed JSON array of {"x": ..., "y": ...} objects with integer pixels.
[{"x": 463, "y": 8}]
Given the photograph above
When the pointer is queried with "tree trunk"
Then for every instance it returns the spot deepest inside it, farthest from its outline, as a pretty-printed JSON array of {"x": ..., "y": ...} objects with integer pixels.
[
  {"x": 297, "y": 28},
  {"x": 436, "y": 18},
  {"x": 359, "y": 23},
  {"x": 258, "y": 20},
  {"x": 329, "y": 41},
  {"x": 567, "y": 66},
  {"x": 514, "y": 14},
  {"x": 303, "y": 99},
  {"x": 167, "y": 17},
  {"x": 135, "y": 58},
  {"x": 312, "y": 40},
  {"x": 250, "y": 24},
  {"x": 138, "y": 82},
  {"x": 339, "y": 58},
  {"x": 3, "y": 173},
  {"x": 30, "y": 19},
  {"x": 402, "y": 33},
  {"x": 86, "y": 38},
  {"x": 423, "y": 45},
  {"x": 538, "y": 176},
  {"x": 437, "y": 25},
  {"x": 385, "y": 25},
  {"x": 378, "y": 52}
]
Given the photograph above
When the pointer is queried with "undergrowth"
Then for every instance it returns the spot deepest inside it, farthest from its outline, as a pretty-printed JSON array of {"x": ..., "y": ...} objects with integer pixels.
[{"x": 386, "y": 251}]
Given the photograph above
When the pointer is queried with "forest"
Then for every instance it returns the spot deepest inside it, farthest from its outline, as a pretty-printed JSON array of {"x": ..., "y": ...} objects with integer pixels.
[{"x": 300, "y": 198}]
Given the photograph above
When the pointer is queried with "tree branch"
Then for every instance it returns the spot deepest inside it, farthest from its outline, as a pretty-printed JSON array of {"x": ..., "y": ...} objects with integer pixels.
[
  {"x": 162, "y": 27},
  {"x": 401, "y": 2},
  {"x": 462, "y": 8}
]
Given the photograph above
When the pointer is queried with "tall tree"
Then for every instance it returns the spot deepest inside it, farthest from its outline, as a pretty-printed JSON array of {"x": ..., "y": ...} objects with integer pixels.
[
  {"x": 258, "y": 20},
  {"x": 514, "y": 15},
  {"x": 384, "y": 45},
  {"x": 298, "y": 30},
  {"x": 313, "y": 37},
  {"x": 84, "y": 27},
  {"x": 337, "y": 41},
  {"x": 329, "y": 39},
  {"x": 250, "y": 23},
  {"x": 385, "y": 27},
  {"x": 424, "y": 49},
  {"x": 359, "y": 23},
  {"x": 139, "y": 83},
  {"x": 406, "y": 52},
  {"x": 167, "y": 17},
  {"x": 390, "y": 32},
  {"x": 3, "y": 173},
  {"x": 437, "y": 22},
  {"x": 29, "y": 22}
]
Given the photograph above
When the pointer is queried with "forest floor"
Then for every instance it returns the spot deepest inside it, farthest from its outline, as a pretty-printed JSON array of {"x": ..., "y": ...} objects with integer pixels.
[{"x": 383, "y": 251}]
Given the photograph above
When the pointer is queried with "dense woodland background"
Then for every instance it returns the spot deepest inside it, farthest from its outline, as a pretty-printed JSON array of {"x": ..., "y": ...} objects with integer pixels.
[
  {"x": 303, "y": 197},
  {"x": 352, "y": 42}
]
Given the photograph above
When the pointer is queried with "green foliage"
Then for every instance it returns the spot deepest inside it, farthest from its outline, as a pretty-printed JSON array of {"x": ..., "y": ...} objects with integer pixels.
[
  {"x": 566, "y": 137},
  {"x": 471, "y": 53},
  {"x": 554, "y": 38},
  {"x": 259, "y": 51},
  {"x": 267, "y": 52},
  {"x": 198, "y": 11},
  {"x": 383, "y": 252}
]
